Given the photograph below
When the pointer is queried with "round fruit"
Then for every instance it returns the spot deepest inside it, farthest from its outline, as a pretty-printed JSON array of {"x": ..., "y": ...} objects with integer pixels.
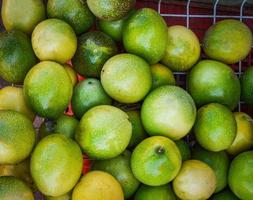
[
  {"x": 225, "y": 195},
  {"x": 247, "y": 86},
  {"x": 228, "y": 41},
  {"x": 16, "y": 56},
  {"x": 244, "y": 136},
  {"x": 114, "y": 28},
  {"x": 12, "y": 98},
  {"x": 184, "y": 149},
  {"x": 210, "y": 81},
  {"x": 87, "y": 94},
  {"x": 110, "y": 10},
  {"x": 196, "y": 180},
  {"x": 119, "y": 167},
  {"x": 104, "y": 132},
  {"x": 161, "y": 75},
  {"x": 156, "y": 161},
  {"x": 145, "y": 34},
  {"x": 97, "y": 185},
  {"x": 215, "y": 127},
  {"x": 17, "y": 137},
  {"x": 13, "y": 188},
  {"x": 55, "y": 40},
  {"x": 62, "y": 197},
  {"x": 48, "y": 89},
  {"x": 163, "y": 192},
  {"x": 168, "y": 111},
  {"x": 72, "y": 74},
  {"x": 218, "y": 161},
  {"x": 56, "y": 165},
  {"x": 183, "y": 49},
  {"x": 74, "y": 12},
  {"x": 94, "y": 49},
  {"x": 138, "y": 132},
  {"x": 241, "y": 174},
  {"x": 126, "y": 78},
  {"x": 22, "y": 15}
]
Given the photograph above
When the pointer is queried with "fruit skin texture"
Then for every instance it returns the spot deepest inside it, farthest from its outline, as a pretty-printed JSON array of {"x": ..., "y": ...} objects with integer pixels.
[
  {"x": 110, "y": 10},
  {"x": 104, "y": 132},
  {"x": 228, "y": 41},
  {"x": 12, "y": 98},
  {"x": 215, "y": 127},
  {"x": 47, "y": 89},
  {"x": 156, "y": 161},
  {"x": 184, "y": 149},
  {"x": 13, "y": 188},
  {"x": 168, "y": 111},
  {"x": 22, "y": 15},
  {"x": 163, "y": 192},
  {"x": 94, "y": 49},
  {"x": 126, "y": 78},
  {"x": 17, "y": 137},
  {"x": 72, "y": 74},
  {"x": 55, "y": 40},
  {"x": 62, "y": 197},
  {"x": 97, "y": 185},
  {"x": 74, "y": 12},
  {"x": 195, "y": 181},
  {"x": 225, "y": 195},
  {"x": 16, "y": 56},
  {"x": 183, "y": 49},
  {"x": 119, "y": 168},
  {"x": 244, "y": 135},
  {"x": 53, "y": 160},
  {"x": 218, "y": 161},
  {"x": 87, "y": 94},
  {"x": 145, "y": 34},
  {"x": 240, "y": 175},
  {"x": 214, "y": 82},
  {"x": 247, "y": 86}
]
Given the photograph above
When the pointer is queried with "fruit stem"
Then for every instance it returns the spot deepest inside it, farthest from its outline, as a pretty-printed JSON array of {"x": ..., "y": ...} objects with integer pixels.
[{"x": 160, "y": 150}]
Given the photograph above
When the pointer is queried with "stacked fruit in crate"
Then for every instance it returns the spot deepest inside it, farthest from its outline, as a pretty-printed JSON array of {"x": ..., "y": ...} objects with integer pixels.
[{"x": 115, "y": 124}]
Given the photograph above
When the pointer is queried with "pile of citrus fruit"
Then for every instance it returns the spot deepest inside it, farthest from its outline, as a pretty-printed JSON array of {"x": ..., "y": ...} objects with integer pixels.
[{"x": 133, "y": 134}]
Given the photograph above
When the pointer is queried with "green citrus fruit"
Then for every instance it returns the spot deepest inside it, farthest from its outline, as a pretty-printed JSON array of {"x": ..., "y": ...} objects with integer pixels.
[
  {"x": 211, "y": 81},
  {"x": 225, "y": 195},
  {"x": 56, "y": 165},
  {"x": 184, "y": 149},
  {"x": 145, "y": 34},
  {"x": 241, "y": 174},
  {"x": 195, "y": 181},
  {"x": 215, "y": 127},
  {"x": 244, "y": 136},
  {"x": 121, "y": 75},
  {"x": 168, "y": 111},
  {"x": 48, "y": 89},
  {"x": 183, "y": 49},
  {"x": 94, "y": 49},
  {"x": 17, "y": 137},
  {"x": 114, "y": 28},
  {"x": 163, "y": 192},
  {"x": 247, "y": 86},
  {"x": 138, "y": 132},
  {"x": 62, "y": 197},
  {"x": 218, "y": 161},
  {"x": 12, "y": 188},
  {"x": 74, "y": 12},
  {"x": 104, "y": 132},
  {"x": 97, "y": 185},
  {"x": 16, "y": 56},
  {"x": 87, "y": 94},
  {"x": 55, "y": 40},
  {"x": 161, "y": 75},
  {"x": 119, "y": 167},
  {"x": 110, "y": 10},
  {"x": 228, "y": 41},
  {"x": 22, "y": 15},
  {"x": 156, "y": 161},
  {"x": 12, "y": 98},
  {"x": 72, "y": 74}
]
